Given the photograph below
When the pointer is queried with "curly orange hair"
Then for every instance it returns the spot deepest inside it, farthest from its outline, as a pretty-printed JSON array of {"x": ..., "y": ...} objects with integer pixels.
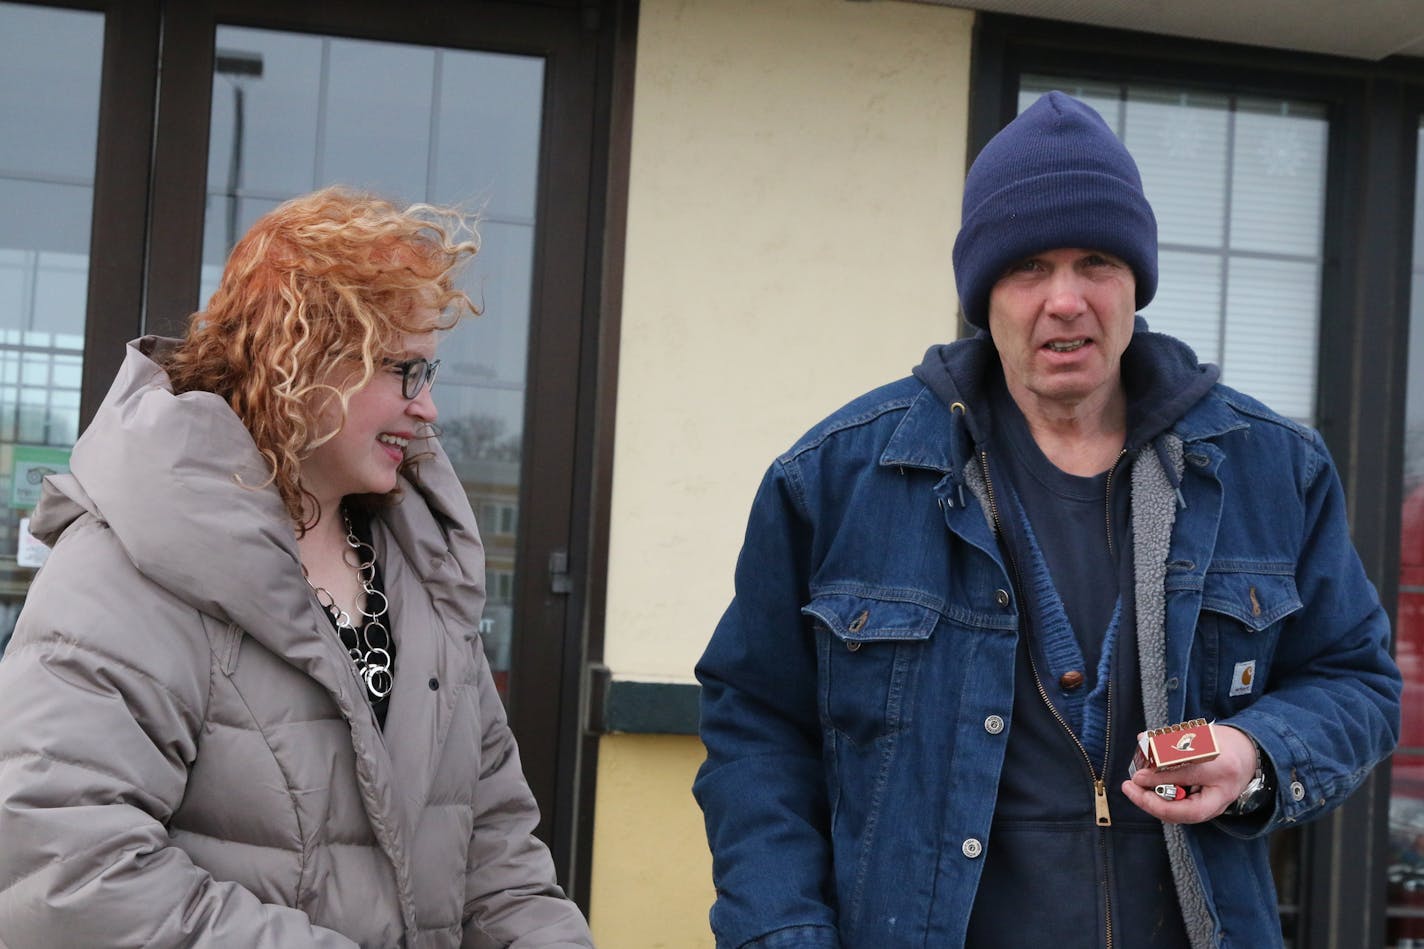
[{"x": 320, "y": 282}]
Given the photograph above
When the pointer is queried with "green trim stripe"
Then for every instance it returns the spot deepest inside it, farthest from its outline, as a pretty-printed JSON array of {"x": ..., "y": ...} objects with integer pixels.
[{"x": 650, "y": 708}]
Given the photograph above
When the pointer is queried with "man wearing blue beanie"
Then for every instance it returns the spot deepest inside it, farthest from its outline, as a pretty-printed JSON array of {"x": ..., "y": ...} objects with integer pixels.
[
  {"x": 1055, "y": 177},
  {"x": 966, "y": 599}
]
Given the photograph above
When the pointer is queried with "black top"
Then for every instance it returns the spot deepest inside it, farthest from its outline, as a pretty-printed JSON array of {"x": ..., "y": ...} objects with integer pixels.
[
  {"x": 371, "y": 632},
  {"x": 1079, "y": 527}
]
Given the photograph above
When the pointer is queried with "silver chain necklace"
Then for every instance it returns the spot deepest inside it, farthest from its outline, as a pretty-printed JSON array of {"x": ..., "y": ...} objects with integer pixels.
[{"x": 369, "y": 646}]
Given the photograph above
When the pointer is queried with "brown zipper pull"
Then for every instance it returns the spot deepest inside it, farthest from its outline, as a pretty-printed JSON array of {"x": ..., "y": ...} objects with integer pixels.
[{"x": 1100, "y": 803}]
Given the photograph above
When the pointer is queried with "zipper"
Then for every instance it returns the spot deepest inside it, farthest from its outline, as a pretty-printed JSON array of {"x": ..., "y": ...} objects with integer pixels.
[
  {"x": 1107, "y": 498},
  {"x": 1100, "y": 794},
  {"x": 1100, "y": 785},
  {"x": 1106, "y": 859},
  {"x": 1105, "y": 819},
  {"x": 1101, "y": 815}
]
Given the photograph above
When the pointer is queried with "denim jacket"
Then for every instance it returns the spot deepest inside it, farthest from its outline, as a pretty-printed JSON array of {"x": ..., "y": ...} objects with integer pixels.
[{"x": 857, "y": 693}]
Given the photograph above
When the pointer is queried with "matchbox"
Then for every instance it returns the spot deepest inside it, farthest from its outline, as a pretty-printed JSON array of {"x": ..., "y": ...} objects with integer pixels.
[{"x": 1175, "y": 745}]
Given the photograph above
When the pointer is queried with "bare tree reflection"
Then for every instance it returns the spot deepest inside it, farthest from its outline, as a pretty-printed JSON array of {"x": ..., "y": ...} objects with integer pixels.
[{"x": 479, "y": 437}]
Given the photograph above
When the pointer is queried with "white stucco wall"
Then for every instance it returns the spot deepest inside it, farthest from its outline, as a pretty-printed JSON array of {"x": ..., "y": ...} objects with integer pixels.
[{"x": 794, "y": 185}]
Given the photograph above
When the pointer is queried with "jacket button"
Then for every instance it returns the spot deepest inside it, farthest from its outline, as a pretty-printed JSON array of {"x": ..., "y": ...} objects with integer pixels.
[
  {"x": 1297, "y": 790},
  {"x": 972, "y": 847},
  {"x": 1070, "y": 680},
  {"x": 434, "y": 683},
  {"x": 1001, "y": 597},
  {"x": 993, "y": 724},
  {"x": 1172, "y": 684}
]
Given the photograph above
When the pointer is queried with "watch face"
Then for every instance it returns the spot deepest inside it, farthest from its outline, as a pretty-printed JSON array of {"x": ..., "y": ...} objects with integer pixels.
[{"x": 1252, "y": 797}]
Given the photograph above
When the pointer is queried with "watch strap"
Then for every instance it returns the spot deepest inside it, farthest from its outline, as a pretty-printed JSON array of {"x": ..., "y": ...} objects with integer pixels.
[{"x": 1257, "y": 791}]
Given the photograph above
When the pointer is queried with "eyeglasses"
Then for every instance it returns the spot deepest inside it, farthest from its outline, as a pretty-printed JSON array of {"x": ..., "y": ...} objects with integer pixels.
[{"x": 415, "y": 374}]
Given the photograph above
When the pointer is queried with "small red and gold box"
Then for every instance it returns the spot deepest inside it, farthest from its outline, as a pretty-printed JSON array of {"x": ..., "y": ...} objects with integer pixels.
[{"x": 1175, "y": 745}]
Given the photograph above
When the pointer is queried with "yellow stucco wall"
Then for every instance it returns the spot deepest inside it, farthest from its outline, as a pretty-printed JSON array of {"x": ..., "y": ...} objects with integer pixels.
[
  {"x": 652, "y": 875},
  {"x": 795, "y": 177},
  {"x": 793, "y": 198}
]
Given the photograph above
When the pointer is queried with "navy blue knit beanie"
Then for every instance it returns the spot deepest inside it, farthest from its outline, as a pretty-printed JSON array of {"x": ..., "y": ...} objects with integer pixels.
[{"x": 1054, "y": 177}]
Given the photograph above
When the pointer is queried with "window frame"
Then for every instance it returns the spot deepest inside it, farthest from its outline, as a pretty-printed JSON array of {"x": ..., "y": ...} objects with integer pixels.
[
  {"x": 1373, "y": 111},
  {"x": 144, "y": 276},
  {"x": 128, "y": 83}
]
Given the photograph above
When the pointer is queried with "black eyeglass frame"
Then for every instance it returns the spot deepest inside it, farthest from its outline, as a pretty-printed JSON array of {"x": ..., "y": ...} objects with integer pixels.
[{"x": 416, "y": 374}]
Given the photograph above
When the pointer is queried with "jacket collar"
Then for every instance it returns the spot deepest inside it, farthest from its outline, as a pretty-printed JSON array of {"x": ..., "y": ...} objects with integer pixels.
[
  {"x": 1210, "y": 418},
  {"x": 948, "y": 417},
  {"x": 181, "y": 485},
  {"x": 923, "y": 437}
]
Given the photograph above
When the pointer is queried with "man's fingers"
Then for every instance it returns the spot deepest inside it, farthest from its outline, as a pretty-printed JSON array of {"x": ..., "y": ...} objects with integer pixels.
[{"x": 1196, "y": 805}]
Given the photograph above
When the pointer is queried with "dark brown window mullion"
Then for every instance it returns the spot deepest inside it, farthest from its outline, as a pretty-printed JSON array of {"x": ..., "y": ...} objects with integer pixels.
[
  {"x": 180, "y": 165},
  {"x": 119, "y": 236},
  {"x": 548, "y": 714}
]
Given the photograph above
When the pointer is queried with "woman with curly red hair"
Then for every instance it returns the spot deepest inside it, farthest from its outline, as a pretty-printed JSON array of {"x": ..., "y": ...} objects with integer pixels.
[{"x": 246, "y": 701}]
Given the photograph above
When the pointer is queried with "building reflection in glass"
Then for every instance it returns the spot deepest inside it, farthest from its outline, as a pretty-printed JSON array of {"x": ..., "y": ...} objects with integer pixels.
[
  {"x": 46, "y": 201},
  {"x": 294, "y": 112}
]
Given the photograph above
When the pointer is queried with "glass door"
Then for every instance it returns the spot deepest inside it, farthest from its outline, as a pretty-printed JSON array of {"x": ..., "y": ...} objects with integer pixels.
[
  {"x": 50, "y": 61},
  {"x": 1238, "y": 185},
  {"x": 489, "y": 106},
  {"x": 292, "y": 112}
]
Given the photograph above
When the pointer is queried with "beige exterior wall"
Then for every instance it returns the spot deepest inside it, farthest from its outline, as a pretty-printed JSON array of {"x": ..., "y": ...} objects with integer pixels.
[
  {"x": 794, "y": 194},
  {"x": 652, "y": 874}
]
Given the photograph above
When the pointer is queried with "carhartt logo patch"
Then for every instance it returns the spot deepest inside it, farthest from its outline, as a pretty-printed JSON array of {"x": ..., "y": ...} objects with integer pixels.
[{"x": 1242, "y": 676}]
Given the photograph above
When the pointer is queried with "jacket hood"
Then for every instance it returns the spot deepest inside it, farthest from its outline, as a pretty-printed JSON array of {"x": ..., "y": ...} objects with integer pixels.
[
  {"x": 1162, "y": 375},
  {"x": 180, "y": 483}
]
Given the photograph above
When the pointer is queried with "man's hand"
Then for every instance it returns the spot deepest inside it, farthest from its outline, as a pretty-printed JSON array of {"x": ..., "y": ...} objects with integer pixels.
[{"x": 1214, "y": 784}]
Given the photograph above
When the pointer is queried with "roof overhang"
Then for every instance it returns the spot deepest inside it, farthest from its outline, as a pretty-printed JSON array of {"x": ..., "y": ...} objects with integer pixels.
[{"x": 1361, "y": 29}]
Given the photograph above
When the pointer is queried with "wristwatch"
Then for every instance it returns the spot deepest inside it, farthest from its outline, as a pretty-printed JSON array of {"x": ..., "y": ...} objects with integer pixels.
[{"x": 1260, "y": 789}]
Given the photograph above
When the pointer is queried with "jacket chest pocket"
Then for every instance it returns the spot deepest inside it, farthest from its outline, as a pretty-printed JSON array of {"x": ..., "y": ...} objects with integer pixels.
[
  {"x": 868, "y": 651},
  {"x": 1242, "y": 613}
]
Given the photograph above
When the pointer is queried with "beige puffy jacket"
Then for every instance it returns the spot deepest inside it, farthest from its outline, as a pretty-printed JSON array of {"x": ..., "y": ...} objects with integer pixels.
[{"x": 186, "y": 758}]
